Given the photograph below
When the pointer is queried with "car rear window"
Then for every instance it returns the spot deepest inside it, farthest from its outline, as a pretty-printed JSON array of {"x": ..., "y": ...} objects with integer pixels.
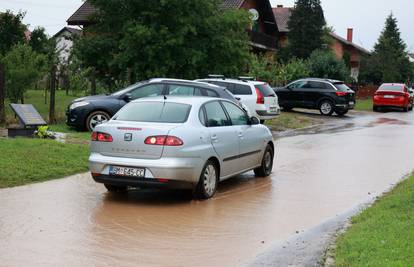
[
  {"x": 161, "y": 112},
  {"x": 341, "y": 86},
  {"x": 395, "y": 88},
  {"x": 266, "y": 90},
  {"x": 241, "y": 89}
]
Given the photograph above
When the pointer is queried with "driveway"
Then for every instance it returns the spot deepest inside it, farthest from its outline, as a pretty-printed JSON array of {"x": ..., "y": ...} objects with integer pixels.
[{"x": 319, "y": 174}]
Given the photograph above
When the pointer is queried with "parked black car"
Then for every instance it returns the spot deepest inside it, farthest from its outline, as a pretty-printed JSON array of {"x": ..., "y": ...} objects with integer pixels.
[
  {"x": 328, "y": 96},
  {"x": 87, "y": 112}
]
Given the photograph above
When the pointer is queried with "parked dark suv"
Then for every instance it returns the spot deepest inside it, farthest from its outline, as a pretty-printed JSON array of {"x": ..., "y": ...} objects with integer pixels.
[
  {"x": 328, "y": 96},
  {"x": 87, "y": 112}
]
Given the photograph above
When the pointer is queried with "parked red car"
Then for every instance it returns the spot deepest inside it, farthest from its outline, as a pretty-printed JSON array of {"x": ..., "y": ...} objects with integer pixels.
[{"x": 393, "y": 95}]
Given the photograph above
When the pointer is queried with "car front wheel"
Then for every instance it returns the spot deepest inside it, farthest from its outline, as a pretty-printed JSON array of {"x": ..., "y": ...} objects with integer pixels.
[
  {"x": 207, "y": 185},
  {"x": 326, "y": 108},
  {"x": 96, "y": 118},
  {"x": 267, "y": 163}
]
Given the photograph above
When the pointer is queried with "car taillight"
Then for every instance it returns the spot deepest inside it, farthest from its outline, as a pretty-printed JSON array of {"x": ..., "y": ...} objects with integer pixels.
[
  {"x": 163, "y": 140},
  {"x": 341, "y": 93},
  {"x": 260, "y": 97},
  {"x": 101, "y": 137}
]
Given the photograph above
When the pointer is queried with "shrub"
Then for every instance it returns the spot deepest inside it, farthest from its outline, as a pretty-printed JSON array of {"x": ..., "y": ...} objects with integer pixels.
[{"x": 324, "y": 64}]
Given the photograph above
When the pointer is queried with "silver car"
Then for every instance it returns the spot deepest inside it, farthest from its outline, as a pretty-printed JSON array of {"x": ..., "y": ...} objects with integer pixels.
[{"x": 179, "y": 142}]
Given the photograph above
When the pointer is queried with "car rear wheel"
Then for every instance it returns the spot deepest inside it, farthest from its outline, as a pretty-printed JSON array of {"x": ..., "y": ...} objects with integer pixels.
[
  {"x": 207, "y": 185},
  {"x": 267, "y": 163},
  {"x": 341, "y": 112},
  {"x": 326, "y": 108},
  {"x": 405, "y": 109},
  {"x": 96, "y": 118},
  {"x": 115, "y": 189}
]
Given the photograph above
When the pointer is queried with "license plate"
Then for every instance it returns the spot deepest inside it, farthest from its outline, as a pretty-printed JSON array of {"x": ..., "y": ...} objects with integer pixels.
[
  {"x": 352, "y": 103},
  {"x": 273, "y": 110},
  {"x": 388, "y": 96},
  {"x": 125, "y": 171}
]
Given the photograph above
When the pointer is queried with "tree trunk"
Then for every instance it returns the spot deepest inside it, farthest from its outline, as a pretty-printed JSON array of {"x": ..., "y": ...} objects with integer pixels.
[
  {"x": 2, "y": 94},
  {"x": 93, "y": 83},
  {"x": 52, "y": 118}
]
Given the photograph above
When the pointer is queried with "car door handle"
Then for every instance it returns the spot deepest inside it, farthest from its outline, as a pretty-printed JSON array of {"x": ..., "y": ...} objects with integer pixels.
[
  {"x": 214, "y": 138},
  {"x": 240, "y": 135}
]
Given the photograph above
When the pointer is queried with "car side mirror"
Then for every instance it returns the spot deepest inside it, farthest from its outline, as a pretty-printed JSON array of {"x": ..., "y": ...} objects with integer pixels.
[
  {"x": 127, "y": 97},
  {"x": 254, "y": 121},
  {"x": 238, "y": 98}
]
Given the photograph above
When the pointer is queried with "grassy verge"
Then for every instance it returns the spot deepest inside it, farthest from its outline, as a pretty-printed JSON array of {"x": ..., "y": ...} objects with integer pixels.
[
  {"x": 290, "y": 120},
  {"x": 37, "y": 98},
  {"x": 25, "y": 161},
  {"x": 383, "y": 235},
  {"x": 364, "y": 104},
  {"x": 72, "y": 135}
]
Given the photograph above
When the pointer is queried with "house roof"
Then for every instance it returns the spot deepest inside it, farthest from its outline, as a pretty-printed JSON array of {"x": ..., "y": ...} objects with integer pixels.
[
  {"x": 348, "y": 43},
  {"x": 232, "y": 4},
  {"x": 82, "y": 15},
  {"x": 68, "y": 29},
  {"x": 282, "y": 16}
]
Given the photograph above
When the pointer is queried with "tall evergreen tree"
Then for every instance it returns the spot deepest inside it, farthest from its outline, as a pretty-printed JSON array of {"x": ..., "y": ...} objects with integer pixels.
[
  {"x": 306, "y": 28},
  {"x": 390, "y": 54}
]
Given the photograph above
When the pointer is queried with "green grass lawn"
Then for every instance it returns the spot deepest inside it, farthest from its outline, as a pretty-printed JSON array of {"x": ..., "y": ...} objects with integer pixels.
[
  {"x": 25, "y": 161},
  {"x": 383, "y": 235},
  {"x": 37, "y": 98},
  {"x": 291, "y": 120},
  {"x": 364, "y": 104}
]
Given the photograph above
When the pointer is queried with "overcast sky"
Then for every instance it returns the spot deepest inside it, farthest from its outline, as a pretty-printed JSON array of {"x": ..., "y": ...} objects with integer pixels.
[{"x": 367, "y": 17}]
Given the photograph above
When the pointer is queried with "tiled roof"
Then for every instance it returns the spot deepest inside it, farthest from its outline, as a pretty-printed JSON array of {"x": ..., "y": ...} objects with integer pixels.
[
  {"x": 232, "y": 4},
  {"x": 282, "y": 15},
  {"x": 69, "y": 29},
  {"x": 82, "y": 15},
  {"x": 346, "y": 42}
]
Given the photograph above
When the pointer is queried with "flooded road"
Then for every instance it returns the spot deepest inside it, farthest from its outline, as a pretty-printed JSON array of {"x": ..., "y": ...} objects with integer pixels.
[{"x": 76, "y": 222}]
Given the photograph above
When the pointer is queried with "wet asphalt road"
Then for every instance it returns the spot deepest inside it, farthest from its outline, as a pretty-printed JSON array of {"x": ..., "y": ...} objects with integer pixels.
[{"x": 316, "y": 177}]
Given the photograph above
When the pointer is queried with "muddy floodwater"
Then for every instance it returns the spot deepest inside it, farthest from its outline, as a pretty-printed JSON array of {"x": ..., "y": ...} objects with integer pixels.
[{"x": 75, "y": 222}]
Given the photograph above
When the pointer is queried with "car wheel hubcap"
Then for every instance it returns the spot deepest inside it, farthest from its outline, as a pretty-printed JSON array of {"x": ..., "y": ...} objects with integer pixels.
[
  {"x": 326, "y": 108},
  {"x": 210, "y": 180},
  {"x": 97, "y": 119}
]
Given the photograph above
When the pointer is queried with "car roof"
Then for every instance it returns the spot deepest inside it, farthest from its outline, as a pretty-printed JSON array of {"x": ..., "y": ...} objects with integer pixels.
[
  {"x": 230, "y": 80},
  {"x": 189, "y": 82},
  {"x": 189, "y": 100},
  {"x": 320, "y": 80}
]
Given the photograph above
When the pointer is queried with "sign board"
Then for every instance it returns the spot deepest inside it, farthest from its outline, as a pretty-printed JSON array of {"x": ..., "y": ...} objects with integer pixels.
[{"x": 28, "y": 115}]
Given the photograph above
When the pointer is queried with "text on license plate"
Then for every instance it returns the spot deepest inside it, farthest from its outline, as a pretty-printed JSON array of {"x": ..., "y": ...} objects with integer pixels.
[
  {"x": 125, "y": 171},
  {"x": 351, "y": 103},
  {"x": 273, "y": 109},
  {"x": 388, "y": 96}
]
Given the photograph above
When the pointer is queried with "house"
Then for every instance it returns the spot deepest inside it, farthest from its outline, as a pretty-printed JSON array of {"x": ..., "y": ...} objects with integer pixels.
[
  {"x": 64, "y": 43},
  {"x": 411, "y": 57},
  {"x": 263, "y": 30},
  {"x": 342, "y": 47}
]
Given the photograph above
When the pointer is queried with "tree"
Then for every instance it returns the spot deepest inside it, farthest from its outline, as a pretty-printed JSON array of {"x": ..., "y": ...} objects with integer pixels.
[
  {"x": 23, "y": 68},
  {"x": 389, "y": 62},
  {"x": 11, "y": 33},
  {"x": 306, "y": 28},
  {"x": 39, "y": 41},
  {"x": 324, "y": 64},
  {"x": 175, "y": 38}
]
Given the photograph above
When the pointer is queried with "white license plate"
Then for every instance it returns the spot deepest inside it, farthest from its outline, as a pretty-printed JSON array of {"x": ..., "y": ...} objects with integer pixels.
[
  {"x": 273, "y": 110},
  {"x": 125, "y": 171},
  {"x": 352, "y": 103},
  {"x": 389, "y": 96}
]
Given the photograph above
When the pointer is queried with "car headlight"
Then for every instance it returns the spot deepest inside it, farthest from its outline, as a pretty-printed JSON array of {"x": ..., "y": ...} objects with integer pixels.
[{"x": 78, "y": 104}]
